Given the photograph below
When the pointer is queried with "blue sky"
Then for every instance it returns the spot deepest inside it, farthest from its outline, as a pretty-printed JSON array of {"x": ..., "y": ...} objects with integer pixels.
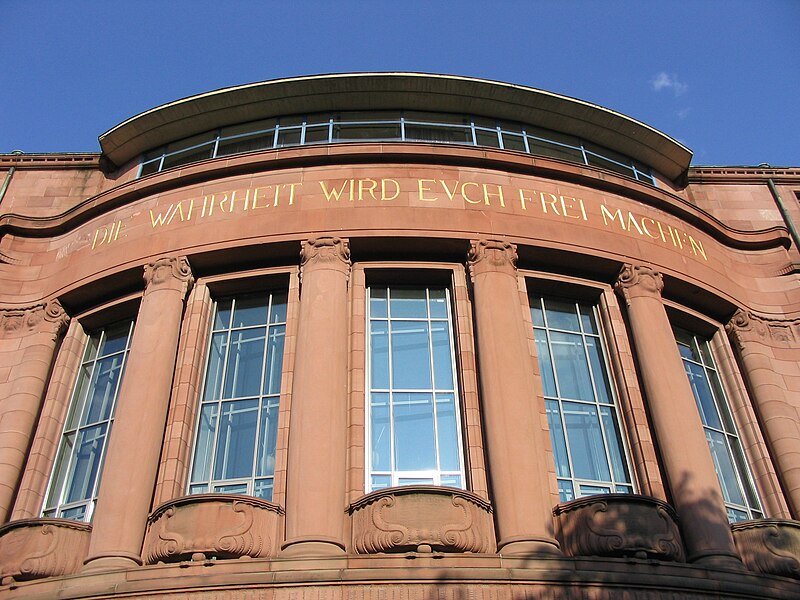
[{"x": 721, "y": 76}]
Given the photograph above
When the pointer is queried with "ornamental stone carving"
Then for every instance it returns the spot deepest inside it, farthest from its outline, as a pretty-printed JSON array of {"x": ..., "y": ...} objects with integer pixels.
[
  {"x": 746, "y": 326},
  {"x": 325, "y": 253},
  {"x": 19, "y": 322},
  {"x": 619, "y": 525},
  {"x": 770, "y": 546},
  {"x": 211, "y": 526},
  {"x": 635, "y": 281},
  {"x": 422, "y": 519},
  {"x": 35, "y": 548},
  {"x": 169, "y": 271},
  {"x": 492, "y": 255}
]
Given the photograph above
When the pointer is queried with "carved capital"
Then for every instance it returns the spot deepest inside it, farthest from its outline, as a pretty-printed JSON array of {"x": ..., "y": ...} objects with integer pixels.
[
  {"x": 325, "y": 253},
  {"x": 637, "y": 281},
  {"x": 171, "y": 272},
  {"x": 492, "y": 255},
  {"x": 745, "y": 327},
  {"x": 19, "y": 322}
]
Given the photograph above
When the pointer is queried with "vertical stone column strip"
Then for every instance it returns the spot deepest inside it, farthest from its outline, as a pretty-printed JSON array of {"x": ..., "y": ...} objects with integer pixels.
[
  {"x": 39, "y": 465},
  {"x": 316, "y": 471},
  {"x": 515, "y": 439},
  {"x": 132, "y": 458},
  {"x": 28, "y": 340},
  {"x": 689, "y": 468},
  {"x": 769, "y": 350}
]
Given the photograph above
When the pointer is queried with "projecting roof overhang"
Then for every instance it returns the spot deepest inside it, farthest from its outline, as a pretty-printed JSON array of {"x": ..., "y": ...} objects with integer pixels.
[{"x": 409, "y": 91}]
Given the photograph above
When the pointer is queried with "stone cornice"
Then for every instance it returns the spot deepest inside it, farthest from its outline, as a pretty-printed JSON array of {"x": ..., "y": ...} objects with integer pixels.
[
  {"x": 739, "y": 175},
  {"x": 381, "y": 153},
  {"x": 746, "y": 326},
  {"x": 56, "y": 160}
]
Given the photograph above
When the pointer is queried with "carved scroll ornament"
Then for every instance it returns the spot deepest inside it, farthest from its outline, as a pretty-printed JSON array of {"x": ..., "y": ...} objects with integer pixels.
[
  {"x": 637, "y": 281},
  {"x": 492, "y": 255},
  {"x": 18, "y": 322},
  {"x": 36, "y": 548},
  {"x": 421, "y": 518},
  {"x": 211, "y": 525},
  {"x": 169, "y": 271},
  {"x": 619, "y": 525},
  {"x": 770, "y": 546},
  {"x": 746, "y": 326}
]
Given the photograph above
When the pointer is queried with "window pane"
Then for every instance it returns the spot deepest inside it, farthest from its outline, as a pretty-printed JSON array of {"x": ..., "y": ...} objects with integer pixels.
[
  {"x": 86, "y": 463},
  {"x": 586, "y": 441},
  {"x": 438, "y": 303},
  {"x": 380, "y": 432},
  {"x": 411, "y": 367},
  {"x": 601, "y": 383},
  {"x": 408, "y": 304},
  {"x": 379, "y": 355},
  {"x": 414, "y": 438},
  {"x": 442, "y": 365},
  {"x": 250, "y": 311},
  {"x": 448, "y": 432},
  {"x": 236, "y": 440},
  {"x": 562, "y": 315},
  {"x": 107, "y": 372},
  {"x": 724, "y": 467},
  {"x": 614, "y": 443},
  {"x": 545, "y": 363},
  {"x": 204, "y": 446},
  {"x": 278, "y": 309},
  {"x": 216, "y": 362},
  {"x": 558, "y": 439},
  {"x": 263, "y": 489},
  {"x": 243, "y": 376},
  {"x": 272, "y": 370},
  {"x": 222, "y": 317},
  {"x": 265, "y": 463},
  {"x": 378, "y": 306},
  {"x": 702, "y": 393},
  {"x": 572, "y": 369}
]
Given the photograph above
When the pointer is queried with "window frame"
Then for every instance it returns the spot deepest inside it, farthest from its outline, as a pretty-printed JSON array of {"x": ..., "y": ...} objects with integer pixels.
[
  {"x": 229, "y": 286},
  {"x": 82, "y": 387}
]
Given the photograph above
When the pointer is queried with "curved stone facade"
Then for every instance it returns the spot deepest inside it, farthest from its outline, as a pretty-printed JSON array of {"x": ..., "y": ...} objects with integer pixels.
[{"x": 409, "y": 364}]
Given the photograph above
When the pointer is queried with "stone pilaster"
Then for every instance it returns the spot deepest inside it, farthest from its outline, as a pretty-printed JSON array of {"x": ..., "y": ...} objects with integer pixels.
[
  {"x": 769, "y": 351},
  {"x": 515, "y": 439},
  {"x": 131, "y": 463},
  {"x": 687, "y": 460},
  {"x": 28, "y": 339},
  {"x": 315, "y": 492}
]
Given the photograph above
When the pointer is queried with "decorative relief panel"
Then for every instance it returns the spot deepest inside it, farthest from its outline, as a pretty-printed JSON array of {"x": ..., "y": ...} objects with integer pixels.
[
  {"x": 770, "y": 546},
  {"x": 619, "y": 525},
  {"x": 211, "y": 525},
  {"x": 35, "y": 548},
  {"x": 423, "y": 519}
]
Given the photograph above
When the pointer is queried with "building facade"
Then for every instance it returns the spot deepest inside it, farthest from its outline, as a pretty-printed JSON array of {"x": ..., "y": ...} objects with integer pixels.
[{"x": 395, "y": 335}]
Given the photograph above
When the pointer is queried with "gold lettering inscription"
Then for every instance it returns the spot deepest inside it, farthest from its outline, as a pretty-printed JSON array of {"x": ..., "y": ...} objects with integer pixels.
[{"x": 222, "y": 204}]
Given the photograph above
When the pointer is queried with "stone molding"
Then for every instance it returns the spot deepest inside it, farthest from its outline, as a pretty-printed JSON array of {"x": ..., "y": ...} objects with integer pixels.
[
  {"x": 203, "y": 526},
  {"x": 635, "y": 281},
  {"x": 770, "y": 546},
  {"x": 20, "y": 322},
  {"x": 36, "y": 548},
  {"x": 167, "y": 271},
  {"x": 325, "y": 252},
  {"x": 492, "y": 256},
  {"x": 746, "y": 326},
  {"x": 619, "y": 525},
  {"x": 423, "y": 519}
]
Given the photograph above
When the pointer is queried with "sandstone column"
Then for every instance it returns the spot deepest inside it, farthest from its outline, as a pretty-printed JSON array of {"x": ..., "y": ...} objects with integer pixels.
[
  {"x": 690, "y": 472},
  {"x": 769, "y": 350},
  {"x": 28, "y": 339},
  {"x": 132, "y": 458},
  {"x": 315, "y": 491},
  {"x": 512, "y": 421}
]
